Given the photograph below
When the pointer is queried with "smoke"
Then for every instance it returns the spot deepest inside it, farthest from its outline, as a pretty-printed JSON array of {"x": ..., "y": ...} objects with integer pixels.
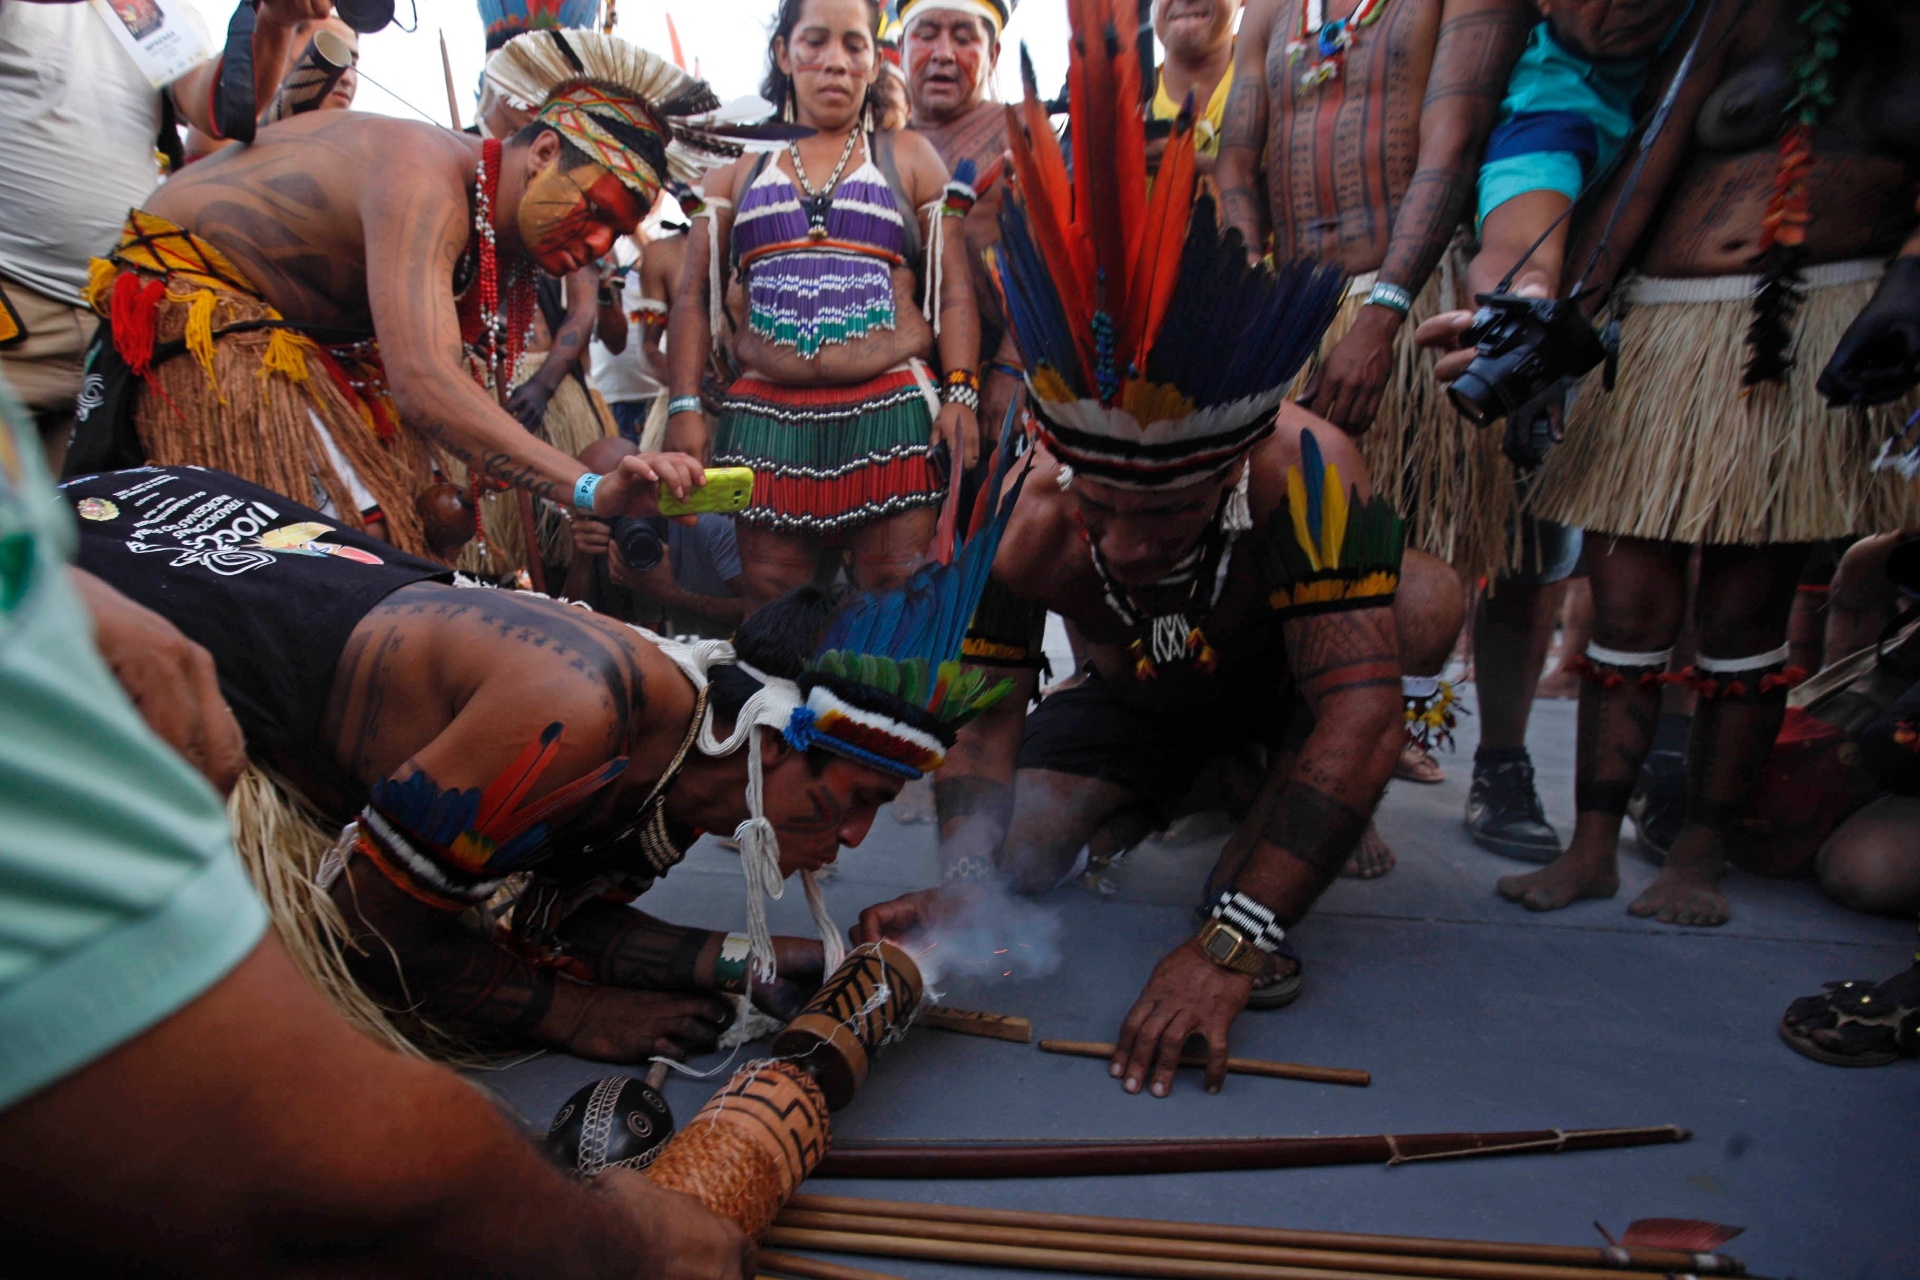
[{"x": 987, "y": 932}]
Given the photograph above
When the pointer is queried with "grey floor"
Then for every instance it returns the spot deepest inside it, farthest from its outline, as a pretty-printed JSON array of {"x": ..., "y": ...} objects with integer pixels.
[{"x": 1471, "y": 1013}]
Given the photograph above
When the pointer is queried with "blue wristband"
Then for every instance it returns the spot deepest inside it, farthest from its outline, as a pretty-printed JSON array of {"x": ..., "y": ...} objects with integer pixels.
[
  {"x": 684, "y": 404},
  {"x": 583, "y": 492}
]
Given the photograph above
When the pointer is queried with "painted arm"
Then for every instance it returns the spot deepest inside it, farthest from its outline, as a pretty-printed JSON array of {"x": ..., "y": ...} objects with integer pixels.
[
  {"x": 690, "y": 332},
  {"x": 628, "y": 948},
  {"x": 610, "y": 313},
  {"x": 528, "y": 403},
  {"x": 957, "y": 426},
  {"x": 1243, "y": 132},
  {"x": 1478, "y": 43},
  {"x": 416, "y": 228}
]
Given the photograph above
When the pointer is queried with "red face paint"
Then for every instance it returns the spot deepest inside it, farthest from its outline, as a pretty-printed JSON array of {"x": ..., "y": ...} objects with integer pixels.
[
  {"x": 566, "y": 225},
  {"x": 947, "y": 58}
]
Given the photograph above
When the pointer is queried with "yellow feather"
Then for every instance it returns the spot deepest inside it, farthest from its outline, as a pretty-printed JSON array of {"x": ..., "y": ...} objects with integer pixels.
[
  {"x": 1333, "y": 519},
  {"x": 1297, "y": 504}
]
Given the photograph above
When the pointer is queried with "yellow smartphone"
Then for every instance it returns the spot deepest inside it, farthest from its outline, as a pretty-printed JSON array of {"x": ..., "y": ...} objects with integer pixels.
[{"x": 728, "y": 489}]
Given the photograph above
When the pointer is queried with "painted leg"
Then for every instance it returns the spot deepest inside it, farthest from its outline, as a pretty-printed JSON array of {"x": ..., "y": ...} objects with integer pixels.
[
  {"x": 1637, "y": 588},
  {"x": 773, "y": 563},
  {"x": 1054, "y": 815},
  {"x": 1746, "y": 594}
]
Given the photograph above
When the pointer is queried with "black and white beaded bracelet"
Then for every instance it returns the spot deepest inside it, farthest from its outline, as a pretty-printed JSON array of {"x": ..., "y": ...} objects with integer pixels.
[{"x": 1251, "y": 918}]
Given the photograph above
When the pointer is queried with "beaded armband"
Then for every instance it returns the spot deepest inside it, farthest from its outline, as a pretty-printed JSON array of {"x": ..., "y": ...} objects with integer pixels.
[
  {"x": 1611, "y": 668},
  {"x": 652, "y": 314},
  {"x": 1325, "y": 549},
  {"x": 1005, "y": 631},
  {"x": 958, "y": 199},
  {"x": 1390, "y": 296},
  {"x": 1251, "y": 918},
  {"x": 1748, "y": 677},
  {"x": 961, "y": 387}
]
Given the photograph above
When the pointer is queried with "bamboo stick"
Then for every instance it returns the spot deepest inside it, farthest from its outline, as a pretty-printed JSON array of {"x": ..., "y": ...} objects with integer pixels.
[
  {"x": 1111, "y": 1157},
  {"x": 1237, "y": 1066},
  {"x": 799, "y": 1268},
  {"x": 1162, "y": 1247},
  {"x": 1083, "y": 1261},
  {"x": 972, "y": 1022},
  {"x": 1280, "y": 1237}
]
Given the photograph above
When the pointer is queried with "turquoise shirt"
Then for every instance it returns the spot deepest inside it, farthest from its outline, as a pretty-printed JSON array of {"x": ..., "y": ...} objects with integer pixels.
[
  {"x": 1564, "y": 118},
  {"x": 121, "y": 897}
]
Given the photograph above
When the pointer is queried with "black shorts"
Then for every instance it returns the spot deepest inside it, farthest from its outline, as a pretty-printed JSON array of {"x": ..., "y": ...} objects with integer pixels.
[{"x": 1090, "y": 732}]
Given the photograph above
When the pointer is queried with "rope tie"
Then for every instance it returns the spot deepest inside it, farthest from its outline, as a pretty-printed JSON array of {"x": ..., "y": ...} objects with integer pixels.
[{"x": 1556, "y": 1143}]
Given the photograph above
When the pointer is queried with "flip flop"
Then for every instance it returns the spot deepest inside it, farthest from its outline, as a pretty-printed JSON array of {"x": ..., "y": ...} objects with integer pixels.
[
  {"x": 1280, "y": 994},
  {"x": 1416, "y": 764}
]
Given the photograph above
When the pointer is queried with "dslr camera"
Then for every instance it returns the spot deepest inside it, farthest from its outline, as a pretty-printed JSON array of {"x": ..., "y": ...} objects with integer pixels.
[
  {"x": 642, "y": 542},
  {"x": 1524, "y": 346}
]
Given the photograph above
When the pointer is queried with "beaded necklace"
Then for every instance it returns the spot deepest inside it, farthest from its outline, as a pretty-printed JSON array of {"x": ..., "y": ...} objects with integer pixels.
[
  {"x": 481, "y": 316},
  {"x": 817, "y": 203},
  {"x": 1329, "y": 40}
]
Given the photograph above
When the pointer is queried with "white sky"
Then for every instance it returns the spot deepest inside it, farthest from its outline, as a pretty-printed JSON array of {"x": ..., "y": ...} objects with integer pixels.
[{"x": 726, "y": 38}]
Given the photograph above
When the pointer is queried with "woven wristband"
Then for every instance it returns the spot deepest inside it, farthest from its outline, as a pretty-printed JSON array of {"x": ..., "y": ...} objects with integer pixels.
[
  {"x": 1390, "y": 296},
  {"x": 683, "y": 404},
  {"x": 583, "y": 492}
]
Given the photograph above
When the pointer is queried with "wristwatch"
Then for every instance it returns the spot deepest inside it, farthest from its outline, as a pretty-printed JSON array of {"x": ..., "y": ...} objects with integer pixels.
[{"x": 1229, "y": 948}]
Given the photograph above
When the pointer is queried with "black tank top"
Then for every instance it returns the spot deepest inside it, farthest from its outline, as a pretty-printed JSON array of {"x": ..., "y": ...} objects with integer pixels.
[{"x": 271, "y": 588}]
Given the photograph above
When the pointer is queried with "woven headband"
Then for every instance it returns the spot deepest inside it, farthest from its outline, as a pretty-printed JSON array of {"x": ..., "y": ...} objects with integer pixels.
[{"x": 614, "y": 131}]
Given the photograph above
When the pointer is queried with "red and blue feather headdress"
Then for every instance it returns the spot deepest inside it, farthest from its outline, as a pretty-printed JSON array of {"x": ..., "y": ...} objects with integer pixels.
[{"x": 1155, "y": 354}]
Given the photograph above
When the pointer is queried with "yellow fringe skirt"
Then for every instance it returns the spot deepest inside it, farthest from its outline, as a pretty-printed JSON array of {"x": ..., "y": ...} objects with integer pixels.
[
  {"x": 1681, "y": 452},
  {"x": 1447, "y": 478}
]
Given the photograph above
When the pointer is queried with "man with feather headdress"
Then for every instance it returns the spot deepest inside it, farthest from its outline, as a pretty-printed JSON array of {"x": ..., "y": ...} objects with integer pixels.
[
  {"x": 337, "y": 308},
  {"x": 1228, "y": 566}
]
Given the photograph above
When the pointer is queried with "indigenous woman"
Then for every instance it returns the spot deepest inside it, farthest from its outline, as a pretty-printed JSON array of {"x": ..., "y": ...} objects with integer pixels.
[
  {"x": 845, "y": 281},
  {"x": 1784, "y": 182}
]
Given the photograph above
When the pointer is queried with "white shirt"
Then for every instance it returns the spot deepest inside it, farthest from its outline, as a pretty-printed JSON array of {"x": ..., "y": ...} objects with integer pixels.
[
  {"x": 78, "y": 121},
  {"x": 623, "y": 377}
]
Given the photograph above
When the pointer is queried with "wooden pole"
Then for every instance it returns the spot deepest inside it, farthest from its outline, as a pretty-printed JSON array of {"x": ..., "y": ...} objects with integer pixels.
[
  {"x": 1110, "y": 1157},
  {"x": 1278, "y": 1237},
  {"x": 972, "y": 1022},
  {"x": 792, "y": 1264},
  {"x": 1162, "y": 1247},
  {"x": 1083, "y": 1261},
  {"x": 1237, "y": 1066},
  {"x": 446, "y": 68}
]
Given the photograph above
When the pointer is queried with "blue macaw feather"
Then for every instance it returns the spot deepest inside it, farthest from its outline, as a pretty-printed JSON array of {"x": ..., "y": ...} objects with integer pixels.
[
  {"x": 965, "y": 171},
  {"x": 1313, "y": 470}
]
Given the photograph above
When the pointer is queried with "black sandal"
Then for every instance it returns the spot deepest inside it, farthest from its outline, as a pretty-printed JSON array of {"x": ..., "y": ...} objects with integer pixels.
[{"x": 1876, "y": 1027}]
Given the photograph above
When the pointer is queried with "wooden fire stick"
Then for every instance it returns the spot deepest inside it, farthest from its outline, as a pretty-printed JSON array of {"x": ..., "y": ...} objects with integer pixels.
[
  {"x": 972, "y": 1022},
  {"x": 1633, "y": 1258},
  {"x": 801, "y": 1268},
  {"x": 1238, "y": 1066},
  {"x": 1161, "y": 1247}
]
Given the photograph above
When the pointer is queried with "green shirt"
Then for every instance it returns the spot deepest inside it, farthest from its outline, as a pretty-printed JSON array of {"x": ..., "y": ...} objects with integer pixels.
[{"x": 121, "y": 897}]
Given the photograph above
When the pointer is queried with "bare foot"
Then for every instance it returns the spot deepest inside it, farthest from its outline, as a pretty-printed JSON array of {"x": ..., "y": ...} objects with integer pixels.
[
  {"x": 1560, "y": 683},
  {"x": 1565, "y": 880},
  {"x": 1415, "y": 765},
  {"x": 1685, "y": 893},
  {"x": 1372, "y": 859}
]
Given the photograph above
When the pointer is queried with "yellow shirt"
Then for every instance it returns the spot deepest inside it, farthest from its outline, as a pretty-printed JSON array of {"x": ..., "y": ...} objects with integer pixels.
[{"x": 1206, "y": 129}]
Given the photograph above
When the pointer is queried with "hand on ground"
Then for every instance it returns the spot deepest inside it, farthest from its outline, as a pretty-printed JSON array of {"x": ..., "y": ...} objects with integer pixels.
[
  {"x": 1188, "y": 995},
  {"x": 618, "y": 1024},
  {"x": 686, "y": 1240}
]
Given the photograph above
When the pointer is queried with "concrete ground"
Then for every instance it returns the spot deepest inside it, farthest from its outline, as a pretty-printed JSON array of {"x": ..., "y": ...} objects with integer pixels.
[{"x": 1471, "y": 1013}]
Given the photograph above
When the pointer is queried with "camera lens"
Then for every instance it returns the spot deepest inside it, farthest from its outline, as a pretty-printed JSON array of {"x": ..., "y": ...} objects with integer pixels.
[
  {"x": 639, "y": 542},
  {"x": 1478, "y": 400},
  {"x": 364, "y": 16}
]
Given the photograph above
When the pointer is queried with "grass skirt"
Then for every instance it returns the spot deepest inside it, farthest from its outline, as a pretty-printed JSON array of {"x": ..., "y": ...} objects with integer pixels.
[
  {"x": 1446, "y": 477},
  {"x": 1681, "y": 452},
  {"x": 246, "y": 394},
  {"x": 827, "y": 458},
  {"x": 285, "y": 846}
]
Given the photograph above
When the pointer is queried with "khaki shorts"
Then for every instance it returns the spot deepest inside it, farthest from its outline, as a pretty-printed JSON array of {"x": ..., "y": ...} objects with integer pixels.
[{"x": 44, "y": 371}]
